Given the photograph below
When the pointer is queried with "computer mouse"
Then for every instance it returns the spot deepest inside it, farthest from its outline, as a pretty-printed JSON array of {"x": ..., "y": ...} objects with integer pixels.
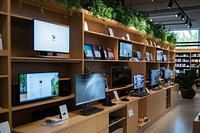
[{"x": 124, "y": 99}]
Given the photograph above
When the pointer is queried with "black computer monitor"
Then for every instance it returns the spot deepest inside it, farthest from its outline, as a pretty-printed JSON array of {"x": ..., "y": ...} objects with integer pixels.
[
  {"x": 89, "y": 88},
  {"x": 121, "y": 76},
  {"x": 125, "y": 50},
  {"x": 50, "y": 37},
  {"x": 138, "y": 80}
]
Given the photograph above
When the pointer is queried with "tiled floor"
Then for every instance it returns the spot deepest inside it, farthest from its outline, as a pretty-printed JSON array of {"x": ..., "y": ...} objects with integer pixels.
[{"x": 179, "y": 119}]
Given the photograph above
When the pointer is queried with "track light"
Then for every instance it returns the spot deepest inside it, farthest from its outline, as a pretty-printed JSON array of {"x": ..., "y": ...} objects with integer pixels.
[
  {"x": 151, "y": 20},
  {"x": 186, "y": 21},
  {"x": 178, "y": 14},
  {"x": 170, "y": 4},
  {"x": 163, "y": 27},
  {"x": 190, "y": 24},
  {"x": 182, "y": 17}
]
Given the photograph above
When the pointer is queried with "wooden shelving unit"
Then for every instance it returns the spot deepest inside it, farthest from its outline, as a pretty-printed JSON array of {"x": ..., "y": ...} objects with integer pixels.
[
  {"x": 18, "y": 57},
  {"x": 187, "y": 59}
]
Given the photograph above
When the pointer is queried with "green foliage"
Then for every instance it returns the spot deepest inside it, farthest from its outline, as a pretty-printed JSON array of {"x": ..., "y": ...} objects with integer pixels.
[
  {"x": 69, "y": 4},
  {"x": 113, "y": 10},
  {"x": 87, "y": 69},
  {"x": 22, "y": 84},
  {"x": 188, "y": 79},
  {"x": 172, "y": 38},
  {"x": 99, "y": 9}
]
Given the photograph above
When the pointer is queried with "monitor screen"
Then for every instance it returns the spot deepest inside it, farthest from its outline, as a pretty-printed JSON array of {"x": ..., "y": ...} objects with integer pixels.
[
  {"x": 138, "y": 80},
  {"x": 89, "y": 88},
  {"x": 125, "y": 50},
  {"x": 154, "y": 77},
  {"x": 121, "y": 76},
  {"x": 34, "y": 86},
  {"x": 49, "y": 37},
  {"x": 167, "y": 74}
]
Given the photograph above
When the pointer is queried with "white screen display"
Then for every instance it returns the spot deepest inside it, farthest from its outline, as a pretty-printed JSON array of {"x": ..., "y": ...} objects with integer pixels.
[
  {"x": 89, "y": 88},
  {"x": 38, "y": 85},
  {"x": 49, "y": 37},
  {"x": 138, "y": 81}
]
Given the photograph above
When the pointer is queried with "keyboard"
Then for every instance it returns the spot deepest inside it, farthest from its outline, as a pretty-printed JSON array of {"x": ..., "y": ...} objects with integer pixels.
[
  {"x": 139, "y": 94},
  {"x": 90, "y": 110}
]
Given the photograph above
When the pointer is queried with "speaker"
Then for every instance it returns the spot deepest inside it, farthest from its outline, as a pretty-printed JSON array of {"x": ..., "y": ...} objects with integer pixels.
[
  {"x": 64, "y": 87},
  {"x": 15, "y": 94}
]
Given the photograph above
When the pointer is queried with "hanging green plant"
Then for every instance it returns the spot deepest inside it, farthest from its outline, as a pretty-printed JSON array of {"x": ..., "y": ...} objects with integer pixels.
[
  {"x": 69, "y": 5},
  {"x": 99, "y": 9}
]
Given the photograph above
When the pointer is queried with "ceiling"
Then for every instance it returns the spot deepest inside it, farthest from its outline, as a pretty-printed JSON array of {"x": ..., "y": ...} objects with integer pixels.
[{"x": 158, "y": 10}]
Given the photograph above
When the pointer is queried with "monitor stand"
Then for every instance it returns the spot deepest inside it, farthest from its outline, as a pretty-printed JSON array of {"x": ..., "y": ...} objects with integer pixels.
[
  {"x": 53, "y": 55},
  {"x": 89, "y": 110}
]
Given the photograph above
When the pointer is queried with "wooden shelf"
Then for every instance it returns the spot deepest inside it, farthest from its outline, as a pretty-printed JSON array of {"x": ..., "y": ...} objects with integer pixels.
[
  {"x": 118, "y": 61},
  {"x": 21, "y": 17},
  {"x": 121, "y": 119},
  {"x": 37, "y": 59},
  {"x": 113, "y": 37},
  {"x": 3, "y": 76},
  {"x": 62, "y": 79},
  {"x": 3, "y": 110},
  {"x": 3, "y": 13},
  {"x": 119, "y": 88},
  {"x": 3, "y": 52},
  {"x": 46, "y": 101},
  {"x": 144, "y": 123}
]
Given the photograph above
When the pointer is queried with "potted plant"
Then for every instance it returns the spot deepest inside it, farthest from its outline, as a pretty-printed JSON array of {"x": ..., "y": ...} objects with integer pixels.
[{"x": 188, "y": 82}]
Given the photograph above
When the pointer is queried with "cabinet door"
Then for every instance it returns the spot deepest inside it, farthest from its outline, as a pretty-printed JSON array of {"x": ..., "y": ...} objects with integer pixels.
[
  {"x": 89, "y": 126},
  {"x": 174, "y": 95},
  {"x": 103, "y": 122},
  {"x": 156, "y": 104},
  {"x": 132, "y": 120}
]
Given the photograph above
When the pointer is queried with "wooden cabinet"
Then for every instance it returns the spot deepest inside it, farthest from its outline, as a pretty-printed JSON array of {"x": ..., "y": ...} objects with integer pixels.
[{"x": 132, "y": 119}]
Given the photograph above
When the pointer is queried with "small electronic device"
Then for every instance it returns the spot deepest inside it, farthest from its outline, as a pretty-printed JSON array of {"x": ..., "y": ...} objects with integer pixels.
[
  {"x": 89, "y": 88},
  {"x": 50, "y": 37},
  {"x": 125, "y": 50}
]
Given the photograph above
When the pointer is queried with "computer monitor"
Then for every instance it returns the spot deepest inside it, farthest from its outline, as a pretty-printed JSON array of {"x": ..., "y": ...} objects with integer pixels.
[
  {"x": 35, "y": 86},
  {"x": 125, "y": 50},
  {"x": 50, "y": 37},
  {"x": 167, "y": 74},
  {"x": 121, "y": 76},
  {"x": 154, "y": 77},
  {"x": 89, "y": 88},
  {"x": 138, "y": 80}
]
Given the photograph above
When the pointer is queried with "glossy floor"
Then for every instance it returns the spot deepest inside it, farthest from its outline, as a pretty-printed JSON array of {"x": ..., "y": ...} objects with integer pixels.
[{"x": 179, "y": 119}]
